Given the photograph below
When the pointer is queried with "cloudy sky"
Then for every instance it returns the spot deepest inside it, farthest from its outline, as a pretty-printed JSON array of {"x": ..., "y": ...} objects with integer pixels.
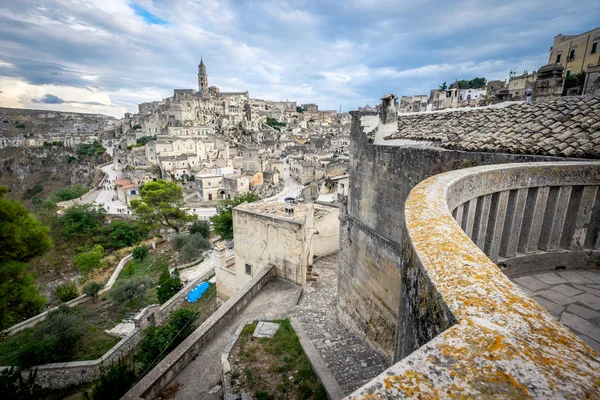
[{"x": 106, "y": 56}]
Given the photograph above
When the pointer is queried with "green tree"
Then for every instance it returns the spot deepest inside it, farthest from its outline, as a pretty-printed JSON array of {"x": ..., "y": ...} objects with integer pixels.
[
  {"x": 82, "y": 219},
  {"x": 168, "y": 285},
  {"x": 125, "y": 233},
  {"x": 200, "y": 227},
  {"x": 124, "y": 291},
  {"x": 299, "y": 109},
  {"x": 140, "y": 252},
  {"x": 156, "y": 342},
  {"x": 92, "y": 289},
  {"x": 162, "y": 202},
  {"x": 223, "y": 221},
  {"x": 69, "y": 193},
  {"x": 22, "y": 237},
  {"x": 89, "y": 260},
  {"x": 477, "y": 83},
  {"x": 114, "y": 381},
  {"x": 443, "y": 86},
  {"x": 92, "y": 149}
]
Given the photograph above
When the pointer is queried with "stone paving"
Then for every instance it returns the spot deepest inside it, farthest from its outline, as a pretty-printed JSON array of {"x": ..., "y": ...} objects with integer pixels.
[
  {"x": 350, "y": 359},
  {"x": 573, "y": 297}
]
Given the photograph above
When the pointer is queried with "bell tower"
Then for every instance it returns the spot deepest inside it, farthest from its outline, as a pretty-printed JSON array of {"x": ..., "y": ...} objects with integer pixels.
[{"x": 202, "y": 78}]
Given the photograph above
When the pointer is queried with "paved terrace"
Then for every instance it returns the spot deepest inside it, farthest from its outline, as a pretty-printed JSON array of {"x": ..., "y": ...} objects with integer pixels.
[{"x": 573, "y": 297}]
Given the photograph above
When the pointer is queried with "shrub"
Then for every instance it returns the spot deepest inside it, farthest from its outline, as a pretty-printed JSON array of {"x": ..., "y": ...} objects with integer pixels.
[
  {"x": 200, "y": 227},
  {"x": 33, "y": 191},
  {"x": 89, "y": 260},
  {"x": 178, "y": 241},
  {"x": 168, "y": 285},
  {"x": 13, "y": 386},
  {"x": 66, "y": 291},
  {"x": 69, "y": 193},
  {"x": 82, "y": 219},
  {"x": 92, "y": 149},
  {"x": 92, "y": 289},
  {"x": 53, "y": 340},
  {"x": 130, "y": 268},
  {"x": 114, "y": 382},
  {"x": 126, "y": 290},
  {"x": 140, "y": 252},
  {"x": 158, "y": 342},
  {"x": 194, "y": 246},
  {"x": 125, "y": 233}
]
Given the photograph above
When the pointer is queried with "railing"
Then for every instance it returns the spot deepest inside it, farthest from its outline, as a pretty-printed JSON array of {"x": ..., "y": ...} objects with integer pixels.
[{"x": 465, "y": 330}]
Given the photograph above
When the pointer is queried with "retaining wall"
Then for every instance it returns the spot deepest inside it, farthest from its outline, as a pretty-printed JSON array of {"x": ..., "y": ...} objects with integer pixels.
[{"x": 150, "y": 386}]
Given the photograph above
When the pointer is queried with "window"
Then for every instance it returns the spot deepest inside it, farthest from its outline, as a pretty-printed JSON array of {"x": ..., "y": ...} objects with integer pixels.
[
  {"x": 558, "y": 58},
  {"x": 568, "y": 72},
  {"x": 572, "y": 54},
  {"x": 249, "y": 269},
  {"x": 515, "y": 85},
  {"x": 594, "y": 47}
]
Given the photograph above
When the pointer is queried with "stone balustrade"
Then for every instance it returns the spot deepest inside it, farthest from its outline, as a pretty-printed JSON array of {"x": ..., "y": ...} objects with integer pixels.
[{"x": 464, "y": 329}]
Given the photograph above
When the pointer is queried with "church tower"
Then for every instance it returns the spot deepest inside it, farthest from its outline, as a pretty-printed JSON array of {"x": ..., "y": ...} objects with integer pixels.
[{"x": 202, "y": 78}]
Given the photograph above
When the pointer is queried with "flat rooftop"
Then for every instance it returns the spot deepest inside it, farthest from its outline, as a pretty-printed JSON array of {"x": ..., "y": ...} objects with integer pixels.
[{"x": 276, "y": 209}]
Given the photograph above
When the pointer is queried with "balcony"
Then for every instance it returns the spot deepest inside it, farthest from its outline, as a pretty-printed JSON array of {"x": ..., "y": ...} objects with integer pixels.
[{"x": 466, "y": 329}]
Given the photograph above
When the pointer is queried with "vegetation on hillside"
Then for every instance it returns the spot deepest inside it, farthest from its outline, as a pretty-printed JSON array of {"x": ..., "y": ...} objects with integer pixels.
[
  {"x": 22, "y": 237},
  {"x": 273, "y": 123}
]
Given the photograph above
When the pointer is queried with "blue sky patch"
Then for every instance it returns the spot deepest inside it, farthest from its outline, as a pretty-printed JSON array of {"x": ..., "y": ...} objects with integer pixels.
[{"x": 148, "y": 16}]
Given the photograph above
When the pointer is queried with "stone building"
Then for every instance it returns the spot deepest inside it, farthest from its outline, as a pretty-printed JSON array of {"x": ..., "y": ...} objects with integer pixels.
[
  {"x": 520, "y": 88},
  {"x": 235, "y": 184},
  {"x": 592, "y": 81},
  {"x": 285, "y": 236},
  {"x": 576, "y": 53}
]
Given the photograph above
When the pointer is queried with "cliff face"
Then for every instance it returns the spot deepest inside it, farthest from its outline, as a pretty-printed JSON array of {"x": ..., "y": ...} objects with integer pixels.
[{"x": 39, "y": 172}]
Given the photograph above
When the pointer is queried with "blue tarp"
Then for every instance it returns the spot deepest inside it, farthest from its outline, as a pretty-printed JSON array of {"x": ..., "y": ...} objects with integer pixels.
[{"x": 197, "y": 292}]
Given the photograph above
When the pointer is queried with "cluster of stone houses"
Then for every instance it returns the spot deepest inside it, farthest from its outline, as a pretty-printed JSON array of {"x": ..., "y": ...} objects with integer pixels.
[
  {"x": 569, "y": 55},
  {"x": 228, "y": 143}
]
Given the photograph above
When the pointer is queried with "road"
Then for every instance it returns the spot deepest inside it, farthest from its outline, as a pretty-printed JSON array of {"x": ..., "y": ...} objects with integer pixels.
[
  {"x": 107, "y": 195},
  {"x": 291, "y": 188}
]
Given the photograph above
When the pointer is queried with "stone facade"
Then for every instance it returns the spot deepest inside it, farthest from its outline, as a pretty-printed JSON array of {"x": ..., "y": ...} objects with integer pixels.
[{"x": 576, "y": 53}]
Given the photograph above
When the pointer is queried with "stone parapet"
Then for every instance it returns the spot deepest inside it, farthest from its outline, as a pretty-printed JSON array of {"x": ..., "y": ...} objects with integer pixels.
[{"x": 464, "y": 329}]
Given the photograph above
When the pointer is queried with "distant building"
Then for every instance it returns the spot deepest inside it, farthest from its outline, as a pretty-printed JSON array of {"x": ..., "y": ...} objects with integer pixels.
[
  {"x": 592, "y": 81},
  {"x": 311, "y": 107},
  {"x": 576, "y": 53},
  {"x": 520, "y": 88}
]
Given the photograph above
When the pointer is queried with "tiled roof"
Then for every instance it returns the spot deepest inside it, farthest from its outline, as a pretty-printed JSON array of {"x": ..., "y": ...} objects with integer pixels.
[{"x": 565, "y": 127}]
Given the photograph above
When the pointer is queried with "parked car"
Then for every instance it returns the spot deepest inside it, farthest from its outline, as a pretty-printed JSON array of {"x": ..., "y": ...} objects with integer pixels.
[{"x": 290, "y": 200}]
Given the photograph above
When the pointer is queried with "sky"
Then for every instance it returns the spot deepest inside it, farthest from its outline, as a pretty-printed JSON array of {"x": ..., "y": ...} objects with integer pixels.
[{"x": 107, "y": 56}]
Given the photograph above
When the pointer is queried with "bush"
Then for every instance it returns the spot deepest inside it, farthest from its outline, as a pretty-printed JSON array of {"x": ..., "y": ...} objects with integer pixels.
[
  {"x": 82, "y": 220},
  {"x": 89, "y": 260},
  {"x": 130, "y": 268},
  {"x": 200, "y": 227},
  {"x": 13, "y": 386},
  {"x": 126, "y": 290},
  {"x": 92, "y": 289},
  {"x": 69, "y": 193},
  {"x": 140, "y": 252},
  {"x": 92, "y": 149},
  {"x": 53, "y": 340},
  {"x": 33, "y": 191},
  {"x": 125, "y": 233},
  {"x": 66, "y": 291},
  {"x": 158, "y": 342},
  {"x": 168, "y": 285},
  {"x": 178, "y": 241},
  {"x": 114, "y": 382}
]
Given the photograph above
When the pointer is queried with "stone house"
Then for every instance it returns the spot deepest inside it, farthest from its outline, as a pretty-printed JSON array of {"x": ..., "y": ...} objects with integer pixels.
[
  {"x": 278, "y": 234},
  {"x": 592, "y": 81},
  {"x": 520, "y": 88},
  {"x": 127, "y": 191},
  {"x": 235, "y": 184},
  {"x": 210, "y": 187}
]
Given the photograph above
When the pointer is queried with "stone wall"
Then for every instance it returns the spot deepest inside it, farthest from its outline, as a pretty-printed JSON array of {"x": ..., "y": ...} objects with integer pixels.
[
  {"x": 156, "y": 380},
  {"x": 465, "y": 329},
  {"x": 371, "y": 226}
]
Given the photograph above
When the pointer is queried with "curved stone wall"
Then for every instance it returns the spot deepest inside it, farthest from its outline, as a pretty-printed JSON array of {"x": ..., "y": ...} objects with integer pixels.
[{"x": 465, "y": 330}]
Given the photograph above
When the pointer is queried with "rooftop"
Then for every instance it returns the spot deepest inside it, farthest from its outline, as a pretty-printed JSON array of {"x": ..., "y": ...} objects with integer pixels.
[{"x": 277, "y": 210}]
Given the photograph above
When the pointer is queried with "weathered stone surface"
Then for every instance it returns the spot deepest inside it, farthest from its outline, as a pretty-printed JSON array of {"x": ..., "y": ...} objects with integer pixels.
[{"x": 514, "y": 129}]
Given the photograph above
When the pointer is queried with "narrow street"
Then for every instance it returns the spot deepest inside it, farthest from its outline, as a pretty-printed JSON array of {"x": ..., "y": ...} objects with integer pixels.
[{"x": 291, "y": 188}]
